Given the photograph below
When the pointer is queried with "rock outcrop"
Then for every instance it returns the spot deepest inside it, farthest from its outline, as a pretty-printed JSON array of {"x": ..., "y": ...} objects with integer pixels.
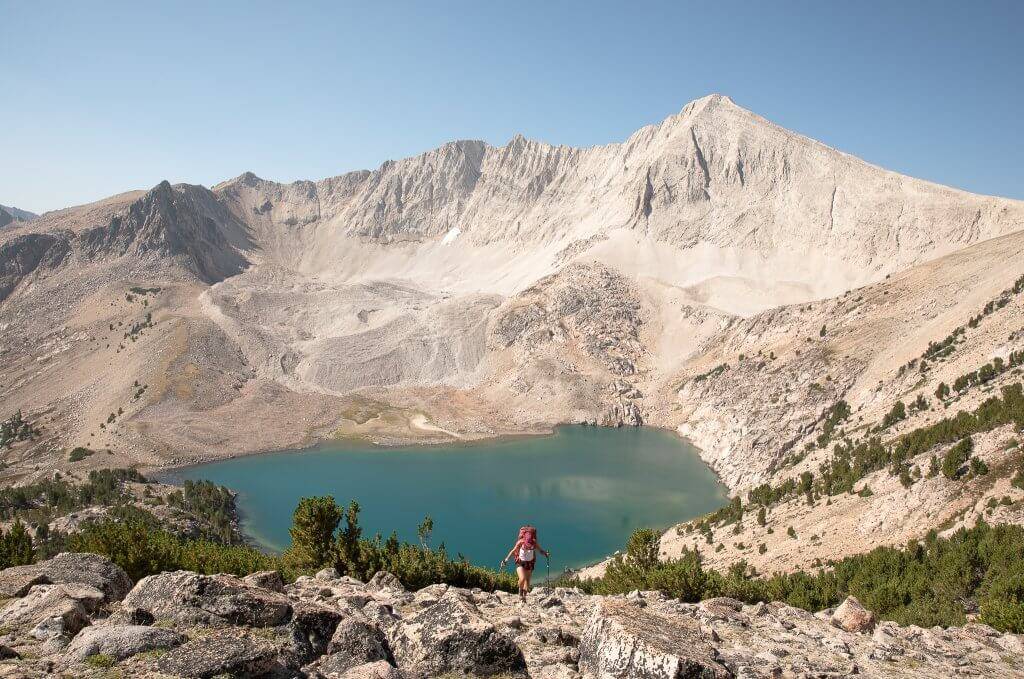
[
  {"x": 335, "y": 627},
  {"x": 853, "y": 617},
  {"x": 221, "y": 653},
  {"x": 623, "y": 640},
  {"x": 52, "y": 610},
  {"x": 209, "y": 599},
  {"x": 452, "y": 636},
  {"x": 121, "y": 641},
  {"x": 87, "y": 569}
]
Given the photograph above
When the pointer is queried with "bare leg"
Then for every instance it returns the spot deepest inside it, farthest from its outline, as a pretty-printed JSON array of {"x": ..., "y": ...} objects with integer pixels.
[
  {"x": 524, "y": 578},
  {"x": 526, "y": 584}
]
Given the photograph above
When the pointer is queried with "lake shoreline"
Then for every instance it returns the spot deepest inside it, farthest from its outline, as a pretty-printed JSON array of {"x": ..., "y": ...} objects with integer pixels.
[
  {"x": 384, "y": 444},
  {"x": 167, "y": 470},
  {"x": 678, "y": 456}
]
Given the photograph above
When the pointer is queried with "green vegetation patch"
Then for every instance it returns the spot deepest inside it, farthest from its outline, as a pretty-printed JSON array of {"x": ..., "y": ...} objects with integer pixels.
[
  {"x": 323, "y": 534},
  {"x": 926, "y": 583},
  {"x": 80, "y": 453},
  {"x": 101, "y": 660},
  {"x": 39, "y": 503},
  {"x": 16, "y": 429},
  {"x": 711, "y": 374},
  {"x": 215, "y": 504},
  {"x": 851, "y": 463}
]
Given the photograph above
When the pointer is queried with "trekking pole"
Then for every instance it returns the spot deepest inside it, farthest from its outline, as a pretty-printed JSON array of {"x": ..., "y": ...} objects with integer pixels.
[{"x": 547, "y": 558}]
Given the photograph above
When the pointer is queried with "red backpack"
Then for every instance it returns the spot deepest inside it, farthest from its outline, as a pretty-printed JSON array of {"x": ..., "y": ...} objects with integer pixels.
[{"x": 528, "y": 536}]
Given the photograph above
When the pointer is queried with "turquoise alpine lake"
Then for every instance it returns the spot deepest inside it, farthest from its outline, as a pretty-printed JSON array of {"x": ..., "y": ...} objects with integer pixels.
[{"x": 585, "y": 488}]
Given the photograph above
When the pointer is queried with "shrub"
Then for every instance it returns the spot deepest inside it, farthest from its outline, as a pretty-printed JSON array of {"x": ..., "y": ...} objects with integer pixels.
[
  {"x": 642, "y": 547},
  {"x": 215, "y": 504},
  {"x": 905, "y": 478},
  {"x": 956, "y": 457},
  {"x": 714, "y": 372},
  {"x": 896, "y": 414},
  {"x": 834, "y": 416},
  {"x": 15, "y": 429},
  {"x": 78, "y": 454},
  {"x": 16, "y": 546},
  {"x": 317, "y": 542},
  {"x": 100, "y": 660},
  {"x": 137, "y": 544}
]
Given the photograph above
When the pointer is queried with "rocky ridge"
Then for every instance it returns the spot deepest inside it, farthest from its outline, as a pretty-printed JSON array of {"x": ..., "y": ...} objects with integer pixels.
[
  {"x": 762, "y": 384},
  {"x": 78, "y": 615},
  {"x": 713, "y": 174},
  {"x": 760, "y": 417},
  {"x": 473, "y": 290},
  {"x": 586, "y": 314}
]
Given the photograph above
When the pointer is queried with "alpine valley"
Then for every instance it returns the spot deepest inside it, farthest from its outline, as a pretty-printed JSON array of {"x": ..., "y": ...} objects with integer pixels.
[{"x": 844, "y": 346}]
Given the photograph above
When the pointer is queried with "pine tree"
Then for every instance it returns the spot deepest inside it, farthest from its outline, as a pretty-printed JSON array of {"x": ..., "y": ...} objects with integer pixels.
[
  {"x": 348, "y": 539},
  {"x": 425, "y": 530},
  {"x": 956, "y": 457},
  {"x": 16, "y": 546},
  {"x": 642, "y": 548},
  {"x": 313, "y": 525}
]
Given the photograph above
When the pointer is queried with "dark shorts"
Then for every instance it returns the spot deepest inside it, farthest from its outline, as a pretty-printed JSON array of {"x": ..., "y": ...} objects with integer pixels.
[{"x": 526, "y": 565}]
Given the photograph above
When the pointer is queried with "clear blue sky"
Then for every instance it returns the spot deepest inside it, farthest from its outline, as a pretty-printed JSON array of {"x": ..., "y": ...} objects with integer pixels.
[{"x": 102, "y": 97}]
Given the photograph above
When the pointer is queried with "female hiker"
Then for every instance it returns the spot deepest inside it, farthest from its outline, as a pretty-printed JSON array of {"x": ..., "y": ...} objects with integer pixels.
[{"x": 525, "y": 551}]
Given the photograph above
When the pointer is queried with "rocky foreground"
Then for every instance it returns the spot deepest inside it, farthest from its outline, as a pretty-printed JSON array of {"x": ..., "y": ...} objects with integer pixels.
[{"x": 78, "y": 615}]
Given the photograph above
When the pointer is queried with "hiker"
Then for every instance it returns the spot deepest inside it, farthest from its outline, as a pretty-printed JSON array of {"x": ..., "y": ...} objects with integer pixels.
[{"x": 525, "y": 551}]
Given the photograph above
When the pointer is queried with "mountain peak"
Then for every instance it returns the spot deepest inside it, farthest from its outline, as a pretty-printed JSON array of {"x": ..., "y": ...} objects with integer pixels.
[
  {"x": 469, "y": 147},
  {"x": 714, "y": 98},
  {"x": 517, "y": 142},
  {"x": 709, "y": 104},
  {"x": 247, "y": 178}
]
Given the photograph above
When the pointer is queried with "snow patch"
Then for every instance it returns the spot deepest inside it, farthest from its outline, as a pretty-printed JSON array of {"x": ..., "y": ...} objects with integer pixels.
[{"x": 452, "y": 234}]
